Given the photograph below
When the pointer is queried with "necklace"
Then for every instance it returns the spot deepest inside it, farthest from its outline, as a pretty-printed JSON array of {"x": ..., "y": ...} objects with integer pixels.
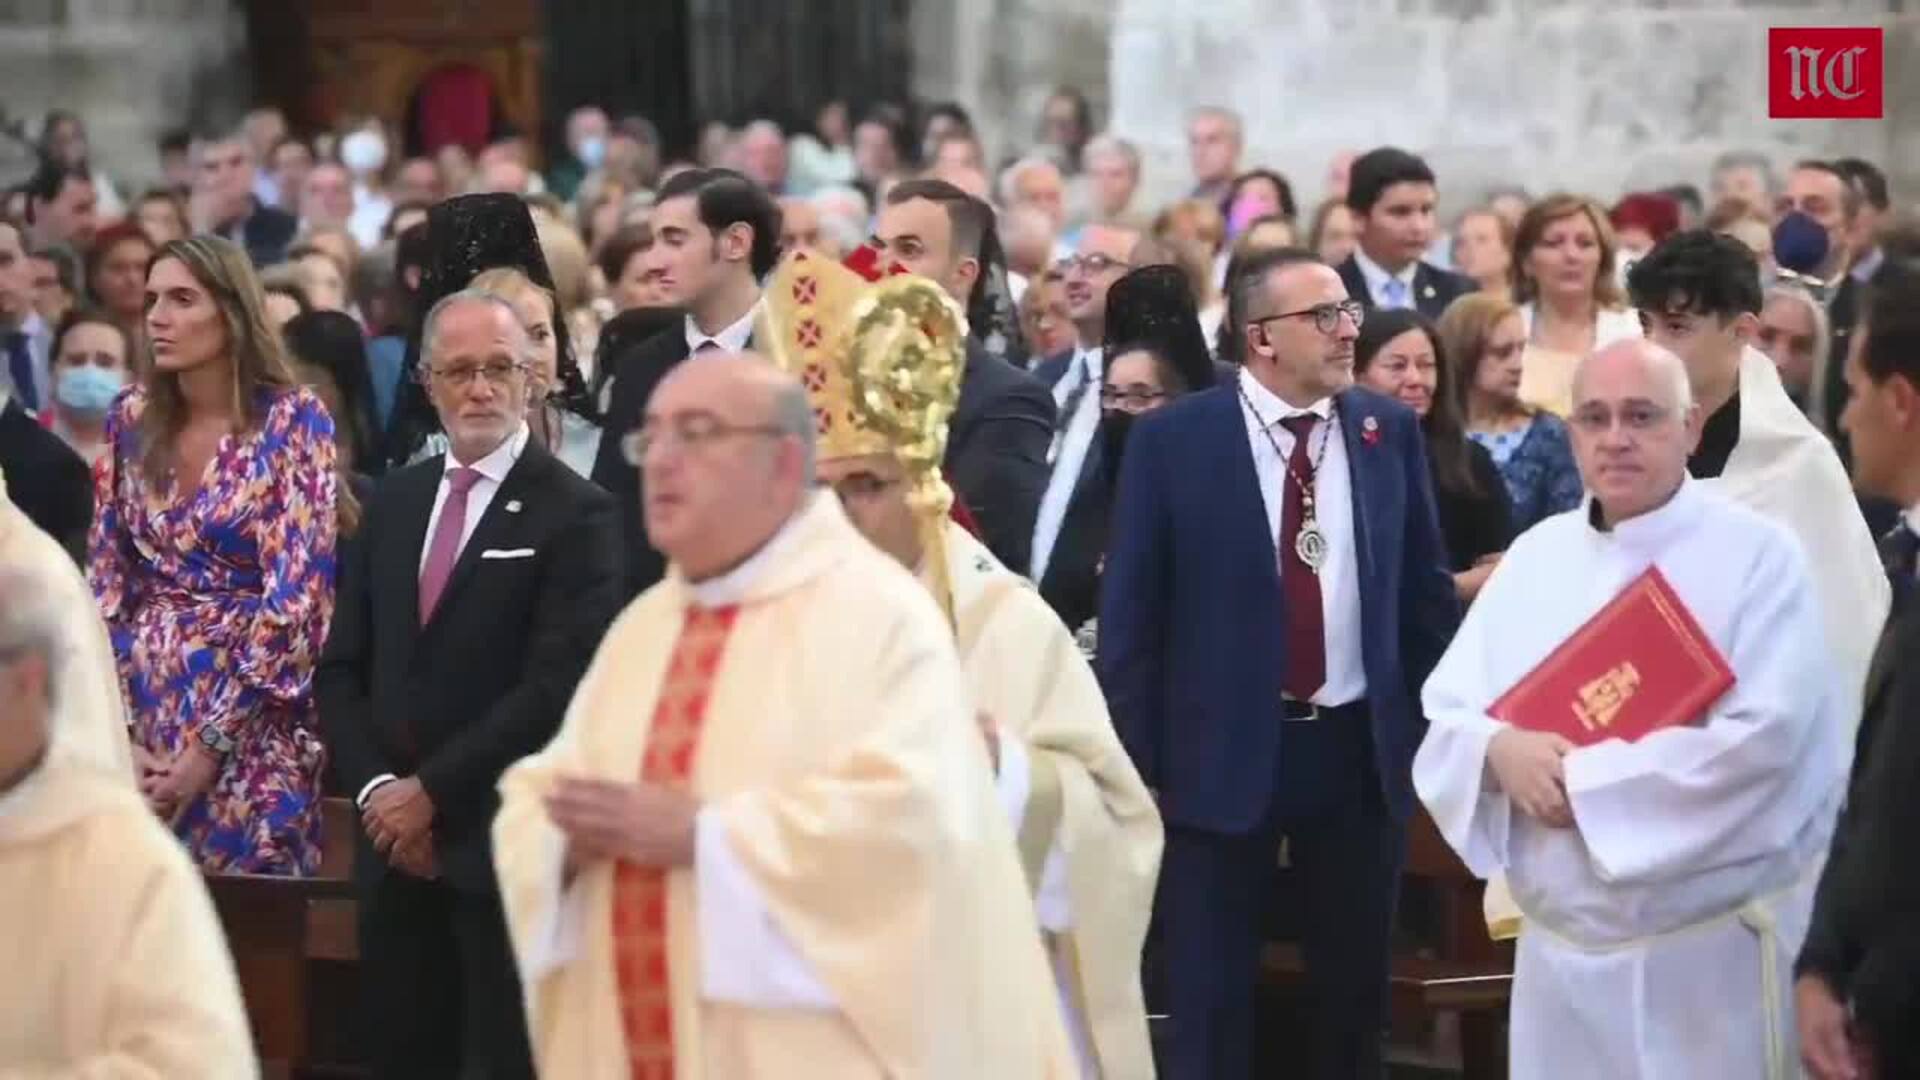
[{"x": 1310, "y": 544}]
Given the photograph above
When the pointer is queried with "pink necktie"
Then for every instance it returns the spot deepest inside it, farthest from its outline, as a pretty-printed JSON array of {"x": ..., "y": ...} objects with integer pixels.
[{"x": 444, "y": 549}]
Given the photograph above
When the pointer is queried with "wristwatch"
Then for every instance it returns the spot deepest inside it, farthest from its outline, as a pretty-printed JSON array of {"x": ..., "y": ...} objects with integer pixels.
[{"x": 216, "y": 740}]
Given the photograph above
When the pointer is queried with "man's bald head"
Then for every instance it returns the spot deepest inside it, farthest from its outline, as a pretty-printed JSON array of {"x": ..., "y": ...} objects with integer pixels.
[
  {"x": 1663, "y": 367},
  {"x": 1634, "y": 425},
  {"x": 727, "y": 453}
]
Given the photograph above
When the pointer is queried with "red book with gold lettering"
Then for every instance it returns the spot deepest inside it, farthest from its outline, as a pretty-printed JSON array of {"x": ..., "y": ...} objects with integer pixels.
[{"x": 1641, "y": 664}]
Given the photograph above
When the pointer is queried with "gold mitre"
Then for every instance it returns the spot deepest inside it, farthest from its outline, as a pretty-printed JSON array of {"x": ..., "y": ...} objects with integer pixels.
[{"x": 881, "y": 359}]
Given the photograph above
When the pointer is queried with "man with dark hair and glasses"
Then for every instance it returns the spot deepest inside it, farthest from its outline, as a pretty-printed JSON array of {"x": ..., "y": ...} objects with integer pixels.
[
  {"x": 1699, "y": 296},
  {"x": 1105, "y": 256},
  {"x": 1275, "y": 593},
  {"x": 716, "y": 234},
  {"x": 1001, "y": 428},
  {"x": 1669, "y": 876},
  {"x": 466, "y": 612}
]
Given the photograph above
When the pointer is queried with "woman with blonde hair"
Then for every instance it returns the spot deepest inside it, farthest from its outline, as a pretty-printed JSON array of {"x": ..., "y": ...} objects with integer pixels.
[
  {"x": 1484, "y": 338},
  {"x": 556, "y": 412},
  {"x": 1196, "y": 232},
  {"x": 212, "y": 558},
  {"x": 1569, "y": 295}
]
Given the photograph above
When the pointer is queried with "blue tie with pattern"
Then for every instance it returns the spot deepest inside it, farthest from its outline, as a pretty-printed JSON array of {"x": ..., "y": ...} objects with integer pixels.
[{"x": 1396, "y": 294}]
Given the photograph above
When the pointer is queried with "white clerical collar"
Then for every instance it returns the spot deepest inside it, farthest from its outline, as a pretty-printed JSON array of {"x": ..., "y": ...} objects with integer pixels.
[
  {"x": 731, "y": 587},
  {"x": 1376, "y": 276},
  {"x": 21, "y": 794},
  {"x": 732, "y": 339},
  {"x": 1656, "y": 524},
  {"x": 497, "y": 465},
  {"x": 1270, "y": 408}
]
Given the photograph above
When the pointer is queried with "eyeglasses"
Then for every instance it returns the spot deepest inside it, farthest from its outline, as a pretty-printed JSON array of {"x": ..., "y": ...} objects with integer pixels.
[
  {"x": 498, "y": 373},
  {"x": 1094, "y": 263},
  {"x": 1637, "y": 418},
  {"x": 1326, "y": 317},
  {"x": 1130, "y": 397},
  {"x": 690, "y": 431},
  {"x": 862, "y": 487}
]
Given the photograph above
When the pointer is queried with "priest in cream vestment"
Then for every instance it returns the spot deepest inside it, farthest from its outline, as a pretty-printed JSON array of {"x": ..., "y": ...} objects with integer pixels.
[
  {"x": 115, "y": 965},
  {"x": 765, "y": 842},
  {"x": 1089, "y": 833},
  {"x": 1666, "y": 883}
]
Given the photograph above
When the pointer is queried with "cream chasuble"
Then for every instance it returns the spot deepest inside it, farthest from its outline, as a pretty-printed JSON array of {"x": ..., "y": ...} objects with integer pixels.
[
  {"x": 857, "y": 907},
  {"x": 1661, "y": 928},
  {"x": 1089, "y": 833},
  {"x": 1786, "y": 470}
]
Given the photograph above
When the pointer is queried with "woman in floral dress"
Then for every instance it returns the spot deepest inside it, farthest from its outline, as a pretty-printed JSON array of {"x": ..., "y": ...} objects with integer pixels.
[{"x": 212, "y": 559}]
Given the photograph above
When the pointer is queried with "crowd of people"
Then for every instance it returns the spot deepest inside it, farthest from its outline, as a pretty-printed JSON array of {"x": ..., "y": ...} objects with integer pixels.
[{"x": 422, "y": 476}]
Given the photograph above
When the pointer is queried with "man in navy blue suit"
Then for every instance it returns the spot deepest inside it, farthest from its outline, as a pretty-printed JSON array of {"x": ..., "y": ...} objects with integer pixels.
[{"x": 1275, "y": 593}]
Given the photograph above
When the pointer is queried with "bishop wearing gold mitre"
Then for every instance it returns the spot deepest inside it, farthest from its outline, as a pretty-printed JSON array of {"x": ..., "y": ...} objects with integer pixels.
[
  {"x": 765, "y": 842},
  {"x": 883, "y": 389}
]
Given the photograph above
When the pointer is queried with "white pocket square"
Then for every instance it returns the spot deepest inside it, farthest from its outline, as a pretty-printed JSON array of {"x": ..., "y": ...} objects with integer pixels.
[{"x": 508, "y": 553}]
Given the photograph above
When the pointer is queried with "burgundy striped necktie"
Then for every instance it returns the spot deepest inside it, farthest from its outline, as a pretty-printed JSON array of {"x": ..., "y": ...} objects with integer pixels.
[{"x": 1306, "y": 659}]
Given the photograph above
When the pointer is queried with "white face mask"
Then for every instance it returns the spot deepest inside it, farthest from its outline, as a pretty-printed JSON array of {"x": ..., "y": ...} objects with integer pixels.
[
  {"x": 364, "y": 152},
  {"x": 592, "y": 151}
]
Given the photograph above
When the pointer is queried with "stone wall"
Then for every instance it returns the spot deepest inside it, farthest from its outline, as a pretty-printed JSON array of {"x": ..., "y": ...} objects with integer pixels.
[
  {"x": 1602, "y": 97},
  {"x": 132, "y": 68}
]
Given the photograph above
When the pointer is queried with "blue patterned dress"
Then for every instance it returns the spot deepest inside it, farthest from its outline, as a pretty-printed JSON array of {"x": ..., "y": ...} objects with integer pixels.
[
  {"x": 1537, "y": 464},
  {"x": 218, "y": 605}
]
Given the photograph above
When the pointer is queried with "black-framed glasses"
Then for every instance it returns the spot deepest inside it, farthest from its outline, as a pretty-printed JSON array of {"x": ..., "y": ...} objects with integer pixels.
[
  {"x": 498, "y": 373},
  {"x": 1130, "y": 398},
  {"x": 1092, "y": 263},
  {"x": 1326, "y": 317},
  {"x": 690, "y": 431}
]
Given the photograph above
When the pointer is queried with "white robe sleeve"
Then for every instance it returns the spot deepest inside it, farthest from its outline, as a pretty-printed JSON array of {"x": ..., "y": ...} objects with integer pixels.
[
  {"x": 745, "y": 958},
  {"x": 1450, "y": 770},
  {"x": 1052, "y": 901},
  {"x": 1742, "y": 785}
]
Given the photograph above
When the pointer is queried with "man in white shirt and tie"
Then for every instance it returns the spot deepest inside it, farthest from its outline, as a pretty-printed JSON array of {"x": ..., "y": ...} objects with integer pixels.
[
  {"x": 25, "y": 337},
  {"x": 1392, "y": 195},
  {"x": 1105, "y": 251},
  {"x": 1274, "y": 595},
  {"x": 716, "y": 237},
  {"x": 473, "y": 594}
]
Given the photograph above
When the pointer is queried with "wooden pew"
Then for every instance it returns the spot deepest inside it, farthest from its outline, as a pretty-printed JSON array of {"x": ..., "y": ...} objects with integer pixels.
[
  {"x": 1463, "y": 977},
  {"x": 277, "y": 928}
]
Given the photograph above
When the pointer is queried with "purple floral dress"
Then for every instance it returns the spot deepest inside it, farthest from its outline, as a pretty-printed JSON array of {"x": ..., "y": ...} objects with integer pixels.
[{"x": 218, "y": 605}]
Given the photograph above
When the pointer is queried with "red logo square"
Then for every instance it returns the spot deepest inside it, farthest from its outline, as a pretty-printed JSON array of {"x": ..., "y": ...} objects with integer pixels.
[{"x": 1826, "y": 73}]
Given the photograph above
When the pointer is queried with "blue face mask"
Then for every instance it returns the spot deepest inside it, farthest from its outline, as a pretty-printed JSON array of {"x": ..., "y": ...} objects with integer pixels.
[
  {"x": 89, "y": 389},
  {"x": 592, "y": 151}
]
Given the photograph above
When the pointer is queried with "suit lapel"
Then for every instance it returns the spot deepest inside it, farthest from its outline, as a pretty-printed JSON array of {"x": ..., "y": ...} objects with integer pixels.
[
  {"x": 498, "y": 524},
  {"x": 1894, "y": 639},
  {"x": 1355, "y": 415},
  {"x": 1232, "y": 454}
]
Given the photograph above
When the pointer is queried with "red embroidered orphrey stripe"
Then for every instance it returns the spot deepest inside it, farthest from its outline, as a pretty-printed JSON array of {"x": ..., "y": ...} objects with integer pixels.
[{"x": 640, "y": 893}]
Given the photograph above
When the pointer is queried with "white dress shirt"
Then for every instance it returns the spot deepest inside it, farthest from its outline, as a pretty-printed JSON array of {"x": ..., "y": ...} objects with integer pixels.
[
  {"x": 1333, "y": 510},
  {"x": 1377, "y": 277},
  {"x": 732, "y": 338},
  {"x": 493, "y": 470},
  {"x": 1088, "y": 366}
]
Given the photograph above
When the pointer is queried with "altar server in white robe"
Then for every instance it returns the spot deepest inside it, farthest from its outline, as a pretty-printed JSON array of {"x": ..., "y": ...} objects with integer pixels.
[
  {"x": 1088, "y": 832},
  {"x": 114, "y": 963},
  {"x": 1666, "y": 883}
]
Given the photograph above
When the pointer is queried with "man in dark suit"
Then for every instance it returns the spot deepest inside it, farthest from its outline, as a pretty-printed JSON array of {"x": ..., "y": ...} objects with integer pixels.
[
  {"x": 715, "y": 235},
  {"x": 997, "y": 442},
  {"x": 1275, "y": 594},
  {"x": 1067, "y": 532},
  {"x": 1392, "y": 196},
  {"x": 1858, "y": 973},
  {"x": 50, "y": 483},
  {"x": 479, "y": 587},
  {"x": 224, "y": 203}
]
